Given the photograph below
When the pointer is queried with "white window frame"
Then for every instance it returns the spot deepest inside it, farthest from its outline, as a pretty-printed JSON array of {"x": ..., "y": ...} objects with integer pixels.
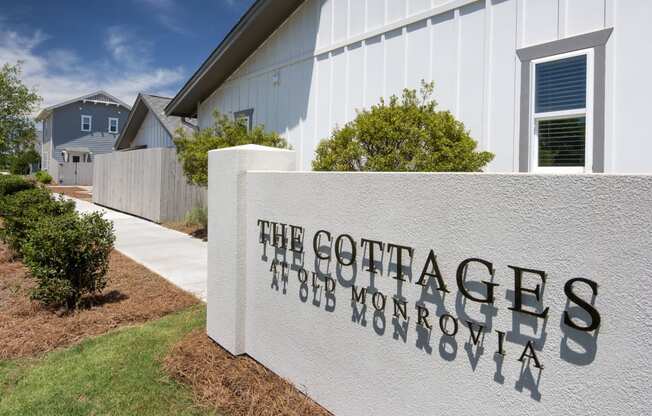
[
  {"x": 90, "y": 122},
  {"x": 246, "y": 119},
  {"x": 586, "y": 112},
  {"x": 117, "y": 124}
]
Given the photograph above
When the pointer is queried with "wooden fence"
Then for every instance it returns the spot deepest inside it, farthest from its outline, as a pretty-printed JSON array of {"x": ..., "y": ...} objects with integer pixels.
[
  {"x": 147, "y": 182},
  {"x": 75, "y": 173}
]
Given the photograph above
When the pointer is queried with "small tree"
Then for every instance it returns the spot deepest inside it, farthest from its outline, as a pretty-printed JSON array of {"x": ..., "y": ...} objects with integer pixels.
[
  {"x": 21, "y": 162},
  {"x": 17, "y": 102},
  {"x": 193, "y": 149},
  {"x": 406, "y": 134}
]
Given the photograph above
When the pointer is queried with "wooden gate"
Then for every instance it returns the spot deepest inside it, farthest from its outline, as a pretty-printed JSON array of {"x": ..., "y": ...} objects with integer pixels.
[{"x": 76, "y": 173}]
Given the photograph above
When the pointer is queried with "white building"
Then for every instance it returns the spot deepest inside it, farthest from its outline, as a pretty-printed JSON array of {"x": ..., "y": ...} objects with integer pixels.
[{"x": 547, "y": 85}]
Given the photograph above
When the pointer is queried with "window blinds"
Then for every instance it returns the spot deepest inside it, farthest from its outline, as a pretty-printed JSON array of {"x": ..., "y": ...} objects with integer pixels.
[
  {"x": 562, "y": 141},
  {"x": 561, "y": 84}
]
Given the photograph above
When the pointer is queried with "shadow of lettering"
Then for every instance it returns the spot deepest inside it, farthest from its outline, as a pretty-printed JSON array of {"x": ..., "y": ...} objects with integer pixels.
[
  {"x": 400, "y": 329},
  {"x": 498, "y": 375},
  {"x": 303, "y": 292},
  {"x": 317, "y": 289},
  {"x": 341, "y": 274},
  {"x": 297, "y": 261},
  {"x": 474, "y": 346},
  {"x": 448, "y": 347},
  {"x": 323, "y": 250},
  {"x": 430, "y": 294},
  {"x": 329, "y": 295},
  {"x": 424, "y": 335},
  {"x": 520, "y": 319},
  {"x": 578, "y": 347},
  {"x": 405, "y": 272},
  {"x": 526, "y": 381},
  {"x": 379, "y": 322},
  {"x": 379, "y": 257},
  {"x": 488, "y": 310},
  {"x": 359, "y": 313},
  {"x": 448, "y": 342}
]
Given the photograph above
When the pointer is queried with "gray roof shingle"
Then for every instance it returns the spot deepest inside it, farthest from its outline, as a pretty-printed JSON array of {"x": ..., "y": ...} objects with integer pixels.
[{"x": 156, "y": 104}]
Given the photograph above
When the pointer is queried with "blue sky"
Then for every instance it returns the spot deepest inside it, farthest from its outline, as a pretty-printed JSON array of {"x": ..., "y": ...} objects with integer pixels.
[{"x": 73, "y": 47}]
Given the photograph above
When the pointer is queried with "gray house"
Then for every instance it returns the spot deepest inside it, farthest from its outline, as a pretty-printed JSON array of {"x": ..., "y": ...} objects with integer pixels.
[
  {"x": 148, "y": 126},
  {"x": 75, "y": 131}
]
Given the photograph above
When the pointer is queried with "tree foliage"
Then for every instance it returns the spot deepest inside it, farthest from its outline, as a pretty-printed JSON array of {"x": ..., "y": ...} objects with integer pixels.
[
  {"x": 19, "y": 163},
  {"x": 404, "y": 134},
  {"x": 226, "y": 132},
  {"x": 17, "y": 102}
]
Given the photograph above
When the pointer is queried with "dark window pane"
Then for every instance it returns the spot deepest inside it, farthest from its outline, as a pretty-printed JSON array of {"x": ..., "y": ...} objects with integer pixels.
[
  {"x": 562, "y": 142},
  {"x": 561, "y": 84}
]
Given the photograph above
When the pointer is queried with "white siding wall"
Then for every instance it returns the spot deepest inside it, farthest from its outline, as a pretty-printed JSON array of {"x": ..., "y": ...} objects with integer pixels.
[
  {"x": 629, "y": 138},
  {"x": 46, "y": 145},
  {"x": 332, "y": 57},
  {"x": 152, "y": 133}
]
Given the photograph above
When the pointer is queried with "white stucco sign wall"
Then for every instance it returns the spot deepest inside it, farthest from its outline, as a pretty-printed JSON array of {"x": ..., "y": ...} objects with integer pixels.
[{"x": 518, "y": 294}]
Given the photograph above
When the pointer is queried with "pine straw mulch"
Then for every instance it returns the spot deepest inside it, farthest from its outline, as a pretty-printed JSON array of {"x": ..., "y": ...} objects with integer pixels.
[
  {"x": 133, "y": 295},
  {"x": 74, "y": 192},
  {"x": 192, "y": 230},
  {"x": 236, "y": 386}
]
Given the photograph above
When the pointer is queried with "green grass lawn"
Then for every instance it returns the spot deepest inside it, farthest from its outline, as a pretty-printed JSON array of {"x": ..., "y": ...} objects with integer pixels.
[{"x": 119, "y": 373}]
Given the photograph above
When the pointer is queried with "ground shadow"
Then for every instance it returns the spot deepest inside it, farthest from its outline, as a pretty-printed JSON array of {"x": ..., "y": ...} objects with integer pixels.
[{"x": 113, "y": 296}]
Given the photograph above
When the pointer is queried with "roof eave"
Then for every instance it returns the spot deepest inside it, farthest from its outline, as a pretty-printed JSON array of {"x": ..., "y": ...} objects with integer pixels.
[
  {"x": 133, "y": 113},
  {"x": 258, "y": 23}
]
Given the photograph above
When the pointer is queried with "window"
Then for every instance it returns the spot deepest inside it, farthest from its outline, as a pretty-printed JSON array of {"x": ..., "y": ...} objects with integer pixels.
[
  {"x": 86, "y": 123},
  {"x": 113, "y": 125},
  {"x": 247, "y": 116},
  {"x": 75, "y": 159},
  {"x": 561, "y": 119}
]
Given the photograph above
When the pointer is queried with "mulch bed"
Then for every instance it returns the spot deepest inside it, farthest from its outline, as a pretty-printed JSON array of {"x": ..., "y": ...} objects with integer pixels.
[
  {"x": 133, "y": 295},
  {"x": 236, "y": 386},
  {"x": 79, "y": 193}
]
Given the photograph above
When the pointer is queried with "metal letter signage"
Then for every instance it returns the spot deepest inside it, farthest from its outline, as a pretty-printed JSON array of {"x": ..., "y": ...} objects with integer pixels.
[{"x": 528, "y": 284}]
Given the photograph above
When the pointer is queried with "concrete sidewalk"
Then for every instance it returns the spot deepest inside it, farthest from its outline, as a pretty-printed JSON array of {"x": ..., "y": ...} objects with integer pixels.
[{"x": 176, "y": 256}]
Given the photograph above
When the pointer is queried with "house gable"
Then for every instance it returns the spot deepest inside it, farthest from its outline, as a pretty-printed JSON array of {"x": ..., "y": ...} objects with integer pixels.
[
  {"x": 149, "y": 126},
  {"x": 67, "y": 126}
]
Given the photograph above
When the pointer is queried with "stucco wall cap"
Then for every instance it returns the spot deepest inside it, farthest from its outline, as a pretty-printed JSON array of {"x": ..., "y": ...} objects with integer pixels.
[{"x": 251, "y": 147}]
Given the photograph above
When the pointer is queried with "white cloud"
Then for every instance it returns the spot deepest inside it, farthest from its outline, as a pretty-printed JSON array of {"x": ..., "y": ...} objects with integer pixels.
[
  {"x": 127, "y": 49},
  {"x": 60, "y": 74},
  {"x": 167, "y": 13}
]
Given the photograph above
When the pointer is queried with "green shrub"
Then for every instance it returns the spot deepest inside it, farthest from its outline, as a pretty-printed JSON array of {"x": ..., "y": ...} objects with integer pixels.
[
  {"x": 10, "y": 184},
  {"x": 69, "y": 257},
  {"x": 406, "y": 134},
  {"x": 53, "y": 292},
  {"x": 198, "y": 216},
  {"x": 193, "y": 149},
  {"x": 43, "y": 177},
  {"x": 23, "y": 210}
]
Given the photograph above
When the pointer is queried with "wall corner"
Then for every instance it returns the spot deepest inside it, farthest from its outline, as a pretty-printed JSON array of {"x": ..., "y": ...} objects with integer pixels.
[{"x": 227, "y": 274}]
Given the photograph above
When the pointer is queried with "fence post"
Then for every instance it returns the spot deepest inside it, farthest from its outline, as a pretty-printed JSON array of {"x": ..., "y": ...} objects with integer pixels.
[{"x": 226, "y": 285}]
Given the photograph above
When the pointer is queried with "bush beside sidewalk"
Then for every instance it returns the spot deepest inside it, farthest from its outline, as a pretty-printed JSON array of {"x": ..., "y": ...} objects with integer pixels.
[{"x": 92, "y": 359}]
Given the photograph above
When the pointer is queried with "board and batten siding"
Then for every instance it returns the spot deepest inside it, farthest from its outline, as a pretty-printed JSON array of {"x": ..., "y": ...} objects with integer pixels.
[
  {"x": 148, "y": 183},
  {"x": 332, "y": 57},
  {"x": 152, "y": 134}
]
